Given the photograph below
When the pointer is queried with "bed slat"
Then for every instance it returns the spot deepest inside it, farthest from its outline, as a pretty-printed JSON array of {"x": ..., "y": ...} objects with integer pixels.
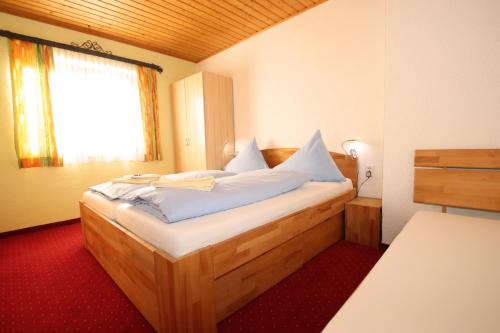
[
  {"x": 458, "y": 158},
  {"x": 474, "y": 189},
  {"x": 238, "y": 250},
  {"x": 245, "y": 283}
]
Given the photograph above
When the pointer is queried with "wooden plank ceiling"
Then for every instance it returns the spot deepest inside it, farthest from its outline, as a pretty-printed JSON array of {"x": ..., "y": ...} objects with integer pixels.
[{"x": 187, "y": 29}]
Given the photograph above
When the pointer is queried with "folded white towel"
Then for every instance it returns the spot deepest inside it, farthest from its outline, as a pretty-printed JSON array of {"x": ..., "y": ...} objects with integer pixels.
[
  {"x": 123, "y": 180},
  {"x": 145, "y": 176},
  {"x": 136, "y": 179},
  {"x": 202, "y": 184}
]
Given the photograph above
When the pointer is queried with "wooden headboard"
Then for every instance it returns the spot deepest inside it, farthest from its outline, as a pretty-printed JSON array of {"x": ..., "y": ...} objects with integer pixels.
[
  {"x": 464, "y": 178},
  {"x": 347, "y": 165}
]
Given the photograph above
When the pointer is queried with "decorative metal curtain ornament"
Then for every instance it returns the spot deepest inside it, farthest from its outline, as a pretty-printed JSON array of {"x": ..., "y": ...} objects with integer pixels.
[{"x": 90, "y": 45}]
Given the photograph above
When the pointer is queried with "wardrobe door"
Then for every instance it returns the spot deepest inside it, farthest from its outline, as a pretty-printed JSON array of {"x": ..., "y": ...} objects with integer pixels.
[
  {"x": 219, "y": 122},
  {"x": 195, "y": 118},
  {"x": 179, "y": 115}
]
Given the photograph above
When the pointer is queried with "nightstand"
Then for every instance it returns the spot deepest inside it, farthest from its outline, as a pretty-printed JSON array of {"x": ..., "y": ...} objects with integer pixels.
[{"x": 363, "y": 218}]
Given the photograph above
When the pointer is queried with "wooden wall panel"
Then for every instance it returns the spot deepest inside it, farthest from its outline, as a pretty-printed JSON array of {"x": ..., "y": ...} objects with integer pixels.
[{"x": 187, "y": 29}]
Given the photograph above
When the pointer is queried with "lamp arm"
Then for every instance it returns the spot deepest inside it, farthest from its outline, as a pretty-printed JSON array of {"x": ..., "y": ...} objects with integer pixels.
[{"x": 352, "y": 152}]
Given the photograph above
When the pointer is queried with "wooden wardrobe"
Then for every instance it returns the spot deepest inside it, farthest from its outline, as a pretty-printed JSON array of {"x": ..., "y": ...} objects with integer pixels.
[{"x": 203, "y": 122}]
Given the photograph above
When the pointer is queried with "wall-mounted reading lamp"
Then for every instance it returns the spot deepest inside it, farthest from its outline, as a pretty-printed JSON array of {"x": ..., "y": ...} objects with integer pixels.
[
  {"x": 354, "y": 155},
  {"x": 352, "y": 152}
]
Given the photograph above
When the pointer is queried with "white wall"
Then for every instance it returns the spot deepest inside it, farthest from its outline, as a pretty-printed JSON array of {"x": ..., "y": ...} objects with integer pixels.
[
  {"x": 443, "y": 90},
  {"x": 321, "y": 69}
]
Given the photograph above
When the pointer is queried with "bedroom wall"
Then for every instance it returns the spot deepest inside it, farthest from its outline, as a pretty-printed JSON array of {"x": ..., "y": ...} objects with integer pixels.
[
  {"x": 37, "y": 196},
  {"x": 322, "y": 69},
  {"x": 443, "y": 91}
]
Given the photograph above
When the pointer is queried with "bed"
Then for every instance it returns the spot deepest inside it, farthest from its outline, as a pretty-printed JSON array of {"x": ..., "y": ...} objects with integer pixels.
[
  {"x": 192, "y": 277},
  {"x": 441, "y": 273}
]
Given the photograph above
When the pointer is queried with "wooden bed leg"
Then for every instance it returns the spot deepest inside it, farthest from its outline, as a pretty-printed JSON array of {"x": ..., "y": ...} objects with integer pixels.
[{"x": 186, "y": 294}]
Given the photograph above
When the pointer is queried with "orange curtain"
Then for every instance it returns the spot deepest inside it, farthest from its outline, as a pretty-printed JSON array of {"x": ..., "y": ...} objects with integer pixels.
[
  {"x": 149, "y": 109},
  {"x": 31, "y": 65}
]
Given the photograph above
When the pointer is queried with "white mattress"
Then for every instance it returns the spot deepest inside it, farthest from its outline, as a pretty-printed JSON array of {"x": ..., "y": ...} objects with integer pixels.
[
  {"x": 178, "y": 239},
  {"x": 441, "y": 274},
  {"x": 100, "y": 204}
]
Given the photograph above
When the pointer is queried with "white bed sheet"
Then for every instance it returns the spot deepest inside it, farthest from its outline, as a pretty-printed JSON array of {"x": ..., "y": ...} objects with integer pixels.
[
  {"x": 101, "y": 204},
  {"x": 441, "y": 274},
  {"x": 178, "y": 239}
]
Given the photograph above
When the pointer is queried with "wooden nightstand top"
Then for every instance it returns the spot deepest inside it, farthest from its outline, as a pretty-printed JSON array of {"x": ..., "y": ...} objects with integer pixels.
[{"x": 367, "y": 202}]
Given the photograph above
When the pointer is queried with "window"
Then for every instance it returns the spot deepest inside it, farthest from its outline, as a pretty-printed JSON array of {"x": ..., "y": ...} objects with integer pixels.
[
  {"x": 81, "y": 108},
  {"x": 96, "y": 108}
]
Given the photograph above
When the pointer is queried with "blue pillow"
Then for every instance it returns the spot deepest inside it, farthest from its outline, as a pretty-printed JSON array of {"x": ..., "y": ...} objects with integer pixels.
[
  {"x": 315, "y": 160},
  {"x": 250, "y": 158}
]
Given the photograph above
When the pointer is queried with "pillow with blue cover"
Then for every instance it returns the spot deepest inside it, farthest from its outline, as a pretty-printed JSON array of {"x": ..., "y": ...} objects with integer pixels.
[
  {"x": 315, "y": 160},
  {"x": 250, "y": 158}
]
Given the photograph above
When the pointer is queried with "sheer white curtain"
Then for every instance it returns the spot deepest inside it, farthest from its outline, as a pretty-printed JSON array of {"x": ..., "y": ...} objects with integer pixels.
[{"x": 96, "y": 108}]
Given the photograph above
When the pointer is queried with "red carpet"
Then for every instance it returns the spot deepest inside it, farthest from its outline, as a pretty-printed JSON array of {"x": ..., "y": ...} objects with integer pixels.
[{"x": 50, "y": 283}]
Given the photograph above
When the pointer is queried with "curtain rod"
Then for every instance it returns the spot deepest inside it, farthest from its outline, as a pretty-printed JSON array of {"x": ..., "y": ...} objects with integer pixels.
[{"x": 13, "y": 35}]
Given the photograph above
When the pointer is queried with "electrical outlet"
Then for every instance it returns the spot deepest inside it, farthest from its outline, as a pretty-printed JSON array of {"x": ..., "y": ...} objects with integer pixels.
[{"x": 369, "y": 171}]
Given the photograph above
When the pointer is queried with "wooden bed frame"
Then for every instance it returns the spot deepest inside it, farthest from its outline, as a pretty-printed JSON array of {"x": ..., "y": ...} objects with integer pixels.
[
  {"x": 462, "y": 178},
  {"x": 194, "y": 292}
]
